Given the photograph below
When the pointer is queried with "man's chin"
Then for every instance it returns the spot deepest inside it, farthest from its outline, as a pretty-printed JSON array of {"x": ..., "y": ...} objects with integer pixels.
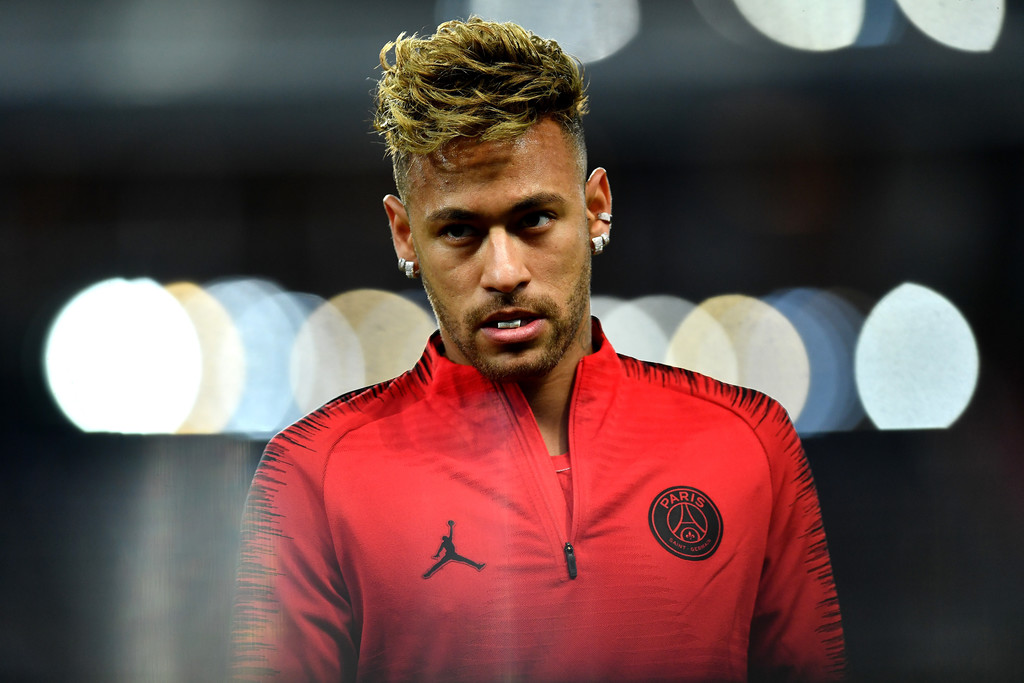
[{"x": 511, "y": 367}]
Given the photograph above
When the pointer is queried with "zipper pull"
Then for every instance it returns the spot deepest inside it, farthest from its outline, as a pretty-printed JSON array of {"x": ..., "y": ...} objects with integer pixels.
[{"x": 570, "y": 560}]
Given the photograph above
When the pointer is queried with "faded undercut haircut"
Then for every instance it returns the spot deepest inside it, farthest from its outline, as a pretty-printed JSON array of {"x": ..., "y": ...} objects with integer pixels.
[{"x": 474, "y": 79}]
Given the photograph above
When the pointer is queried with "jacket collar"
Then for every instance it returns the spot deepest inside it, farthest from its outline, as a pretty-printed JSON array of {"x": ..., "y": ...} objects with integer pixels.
[{"x": 594, "y": 387}]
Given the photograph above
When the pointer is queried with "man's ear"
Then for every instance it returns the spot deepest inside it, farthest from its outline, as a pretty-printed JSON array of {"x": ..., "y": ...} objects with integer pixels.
[
  {"x": 598, "y": 195},
  {"x": 401, "y": 233}
]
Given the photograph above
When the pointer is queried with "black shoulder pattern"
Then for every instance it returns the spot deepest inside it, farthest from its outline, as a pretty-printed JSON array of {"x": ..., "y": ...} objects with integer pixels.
[
  {"x": 751, "y": 404},
  {"x": 255, "y": 603}
]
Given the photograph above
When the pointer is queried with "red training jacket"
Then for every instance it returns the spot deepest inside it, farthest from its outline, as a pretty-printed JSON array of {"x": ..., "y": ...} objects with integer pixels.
[{"x": 417, "y": 530}]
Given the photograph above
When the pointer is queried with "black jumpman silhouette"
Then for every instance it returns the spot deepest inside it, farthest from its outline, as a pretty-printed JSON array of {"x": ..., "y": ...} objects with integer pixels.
[{"x": 448, "y": 546}]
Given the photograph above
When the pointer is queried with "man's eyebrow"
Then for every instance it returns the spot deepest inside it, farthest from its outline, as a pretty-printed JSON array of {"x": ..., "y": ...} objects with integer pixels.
[
  {"x": 538, "y": 200},
  {"x": 450, "y": 213}
]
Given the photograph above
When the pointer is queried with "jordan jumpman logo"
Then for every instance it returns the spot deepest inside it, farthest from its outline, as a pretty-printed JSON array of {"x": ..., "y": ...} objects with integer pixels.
[{"x": 448, "y": 546}]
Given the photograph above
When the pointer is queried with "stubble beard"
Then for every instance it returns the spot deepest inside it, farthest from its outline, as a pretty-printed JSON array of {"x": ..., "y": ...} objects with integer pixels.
[{"x": 564, "y": 327}]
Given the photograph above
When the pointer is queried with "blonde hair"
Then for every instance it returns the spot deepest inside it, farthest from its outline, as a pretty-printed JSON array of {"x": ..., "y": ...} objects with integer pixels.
[{"x": 476, "y": 79}]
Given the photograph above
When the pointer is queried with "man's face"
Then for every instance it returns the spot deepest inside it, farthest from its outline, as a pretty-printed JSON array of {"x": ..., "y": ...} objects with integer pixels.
[{"x": 501, "y": 232}]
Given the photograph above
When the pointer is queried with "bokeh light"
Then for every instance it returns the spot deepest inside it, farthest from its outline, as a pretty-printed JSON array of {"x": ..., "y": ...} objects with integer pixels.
[
  {"x": 601, "y": 305},
  {"x": 267, "y": 319},
  {"x": 770, "y": 355},
  {"x": 702, "y": 344},
  {"x": 916, "y": 360},
  {"x": 644, "y": 327},
  {"x": 829, "y": 326},
  {"x": 223, "y": 360},
  {"x": 635, "y": 332},
  {"x": 391, "y": 329},
  {"x": 123, "y": 356},
  {"x": 326, "y": 359},
  {"x": 586, "y": 29},
  {"x": 244, "y": 356},
  {"x": 973, "y": 25},
  {"x": 667, "y": 311},
  {"x": 806, "y": 24}
]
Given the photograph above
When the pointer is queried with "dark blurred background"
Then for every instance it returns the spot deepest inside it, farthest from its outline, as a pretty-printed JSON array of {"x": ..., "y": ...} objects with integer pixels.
[{"x": 198, "y": 139}]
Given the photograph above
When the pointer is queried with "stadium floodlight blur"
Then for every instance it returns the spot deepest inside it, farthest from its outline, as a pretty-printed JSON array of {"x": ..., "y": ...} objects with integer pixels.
[
  {"x": 813, "y": 26},
  {"x": 636, "y": 327},
  {"x": 806, "y": 24},
  {"x": 770, "y": 355},
  {"x": 971, "y": 26},
  {"x": 223, "y": 360},
  {"x": 327, "y": 358},
  {"x": 123, "y": 356},
  {"x": 243, "y": 356},
  {"x": 916, "y": 360},
  {"x": 391, "y": 330},
  {"x": 828, "y": 325},
  {"x": 590, "y": 30},
  {"x": 155, "y": 53}
]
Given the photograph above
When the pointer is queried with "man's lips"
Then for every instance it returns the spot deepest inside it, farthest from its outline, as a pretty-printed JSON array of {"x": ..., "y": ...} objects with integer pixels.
[
  {"x": 509, "y": 320},
  {"x": 512, "y": 327}
]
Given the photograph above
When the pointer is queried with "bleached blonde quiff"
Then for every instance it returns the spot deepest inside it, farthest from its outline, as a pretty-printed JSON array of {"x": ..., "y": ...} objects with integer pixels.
[{"x": 475, "y": 79}]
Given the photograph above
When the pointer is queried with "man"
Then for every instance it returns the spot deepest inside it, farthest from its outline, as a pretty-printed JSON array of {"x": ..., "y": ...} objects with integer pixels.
[{"x": 617, "y": 519}]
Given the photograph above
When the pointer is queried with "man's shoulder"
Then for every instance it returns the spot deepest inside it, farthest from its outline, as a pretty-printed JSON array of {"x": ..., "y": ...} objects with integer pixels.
[
  {"x": 751, "y": 405},
  {"x": 352, "y": 410}
]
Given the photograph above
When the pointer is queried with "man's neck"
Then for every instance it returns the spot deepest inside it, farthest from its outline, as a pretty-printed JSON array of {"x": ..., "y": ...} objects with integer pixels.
[
  {"x": 549, "y": 396},
  {"x": 549, "y": 400}
]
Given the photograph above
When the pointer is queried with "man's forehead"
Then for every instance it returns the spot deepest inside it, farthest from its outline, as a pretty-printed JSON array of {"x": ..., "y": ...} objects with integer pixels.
[
  {"x": 484, "y": 160},
  {"x": 464, "y": 155}
]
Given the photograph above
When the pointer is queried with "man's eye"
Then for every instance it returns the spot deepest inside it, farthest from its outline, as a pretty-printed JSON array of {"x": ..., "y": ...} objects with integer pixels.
[
  {"x": 536, "y": 220},
  {"x": 457, "y": 231}
]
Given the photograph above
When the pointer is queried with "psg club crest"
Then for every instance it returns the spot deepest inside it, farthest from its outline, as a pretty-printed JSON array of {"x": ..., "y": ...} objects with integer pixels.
[{"x": 686, "y": 522}]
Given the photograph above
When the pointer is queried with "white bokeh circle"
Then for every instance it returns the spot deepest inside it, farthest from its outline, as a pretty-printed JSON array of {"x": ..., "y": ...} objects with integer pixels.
[
  {"x": 917, "y": 360},
  {"x": 123, "y": 356}
]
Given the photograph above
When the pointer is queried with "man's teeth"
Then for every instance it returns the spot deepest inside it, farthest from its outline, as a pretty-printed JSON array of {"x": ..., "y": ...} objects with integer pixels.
[{"x": 509, "y": 324}]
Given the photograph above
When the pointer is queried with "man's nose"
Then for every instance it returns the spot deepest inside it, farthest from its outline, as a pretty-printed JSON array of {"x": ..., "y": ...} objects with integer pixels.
[{"x": 504, "y": 267}]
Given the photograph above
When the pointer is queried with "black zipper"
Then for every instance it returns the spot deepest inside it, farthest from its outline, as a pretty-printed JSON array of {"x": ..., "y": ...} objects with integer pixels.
[
  {"x": 570, "y": 560},
  {"x": 567, "y": 549}
]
